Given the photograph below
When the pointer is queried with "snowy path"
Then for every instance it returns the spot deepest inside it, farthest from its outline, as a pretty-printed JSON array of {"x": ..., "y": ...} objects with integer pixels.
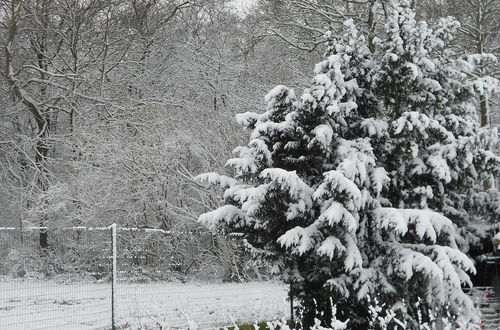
[{"x": 36, "y": 304}]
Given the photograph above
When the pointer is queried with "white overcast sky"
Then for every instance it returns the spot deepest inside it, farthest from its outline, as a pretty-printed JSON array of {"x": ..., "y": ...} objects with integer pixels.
[{"x": 244, "y": 5}]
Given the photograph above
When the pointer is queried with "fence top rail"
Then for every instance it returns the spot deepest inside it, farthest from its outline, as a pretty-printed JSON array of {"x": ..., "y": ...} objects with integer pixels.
[
  {"x": 53, "y": 228},
  {"x": 124, "y": 229}
]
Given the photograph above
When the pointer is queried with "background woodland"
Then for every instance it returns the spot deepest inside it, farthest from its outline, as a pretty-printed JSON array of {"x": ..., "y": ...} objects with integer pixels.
[{"x": 109, "y": 108}]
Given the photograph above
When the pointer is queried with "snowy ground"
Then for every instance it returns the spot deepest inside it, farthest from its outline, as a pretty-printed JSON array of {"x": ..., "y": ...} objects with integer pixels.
[{"x": 37, "y": 304}]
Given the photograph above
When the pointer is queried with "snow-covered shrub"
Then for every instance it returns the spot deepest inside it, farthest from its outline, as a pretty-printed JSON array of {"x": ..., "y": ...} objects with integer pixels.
[
  {"x": 358, "y": 187},
  {"x": 283, "y": 324}
]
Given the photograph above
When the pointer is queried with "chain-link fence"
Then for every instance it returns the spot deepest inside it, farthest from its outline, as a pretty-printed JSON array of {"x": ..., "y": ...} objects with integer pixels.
[{"x": 100, "y": 278}]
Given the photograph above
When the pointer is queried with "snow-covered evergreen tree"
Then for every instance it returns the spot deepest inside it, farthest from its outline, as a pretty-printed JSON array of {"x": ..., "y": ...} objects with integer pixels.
[
  {"x": 438, "y": 156},
  {"x": 319, "y": 190}
]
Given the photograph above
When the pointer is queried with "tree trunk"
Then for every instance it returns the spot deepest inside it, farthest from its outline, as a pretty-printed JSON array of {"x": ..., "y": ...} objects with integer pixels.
[
  {"x": 485, "y": 122},
  {"x": 315, "y": 304},
  {"x": 42, "y": 122},
  {"x": 41, "y": 154},
  {"x": 485, "y": 113}
]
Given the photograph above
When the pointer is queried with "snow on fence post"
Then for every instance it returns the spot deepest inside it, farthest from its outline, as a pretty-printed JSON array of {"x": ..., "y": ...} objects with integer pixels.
[{"x": 113, "y": 274}]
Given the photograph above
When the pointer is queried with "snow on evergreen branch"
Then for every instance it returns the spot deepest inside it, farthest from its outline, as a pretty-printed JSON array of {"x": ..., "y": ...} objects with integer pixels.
[
  {"x": 224, "y": 215},
  {"x": 415, "y": 262},
  {"x": 427, "y": 224},
  {"x": 299, "y": 239},
  {"x": 331, "y": 247},
  {"x": 336, "y": 214},
  {"x": 291, "y": 182},
  {"x": 336, "y": 182},
  {"x": 216, "y": 179}
]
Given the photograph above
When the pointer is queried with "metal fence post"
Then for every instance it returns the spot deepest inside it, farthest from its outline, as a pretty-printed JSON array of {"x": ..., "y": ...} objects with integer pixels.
[
  {"x": 113, "y": 275},
  {"x": 291, "y": 305}
]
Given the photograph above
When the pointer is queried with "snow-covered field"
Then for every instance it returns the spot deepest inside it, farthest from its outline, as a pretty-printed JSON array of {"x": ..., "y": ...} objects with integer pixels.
[{"x": 41, "y": 304}]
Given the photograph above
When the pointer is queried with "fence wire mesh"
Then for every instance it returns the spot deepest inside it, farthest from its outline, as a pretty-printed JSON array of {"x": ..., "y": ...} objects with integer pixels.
[
  {"x": 59, "y": 287},
  {"x": 163, "y": 280}
]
